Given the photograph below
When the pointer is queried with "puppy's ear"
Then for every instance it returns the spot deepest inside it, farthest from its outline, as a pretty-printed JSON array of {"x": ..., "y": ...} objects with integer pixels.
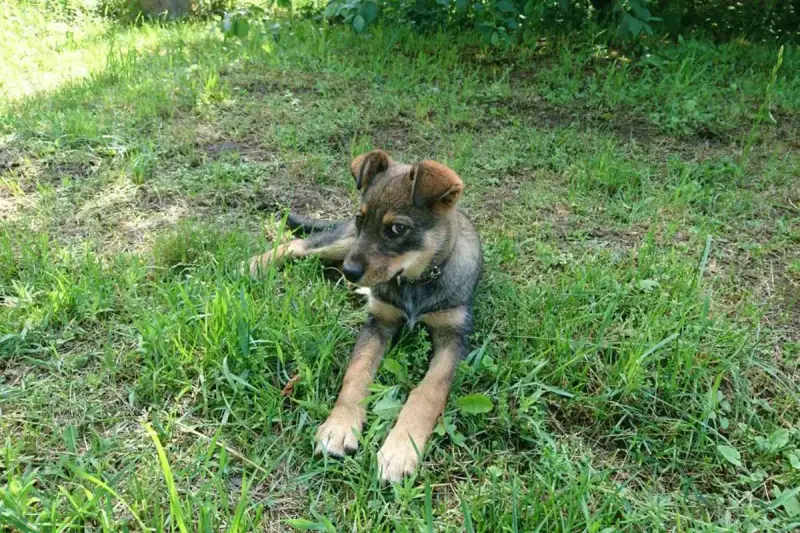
[
  {"x": 434, "y": 185},
  {"x": 366, "y": 166}
]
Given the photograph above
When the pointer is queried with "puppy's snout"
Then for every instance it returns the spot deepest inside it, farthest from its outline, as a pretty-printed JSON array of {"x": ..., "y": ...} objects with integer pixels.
[{"x": 352, "y": 271}]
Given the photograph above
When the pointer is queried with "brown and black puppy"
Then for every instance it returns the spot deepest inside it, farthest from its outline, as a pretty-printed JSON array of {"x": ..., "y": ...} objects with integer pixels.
[{"x": 420, "y": 258}]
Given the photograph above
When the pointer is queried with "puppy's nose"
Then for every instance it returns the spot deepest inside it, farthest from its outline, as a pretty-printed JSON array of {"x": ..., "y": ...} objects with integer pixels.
[{"x": 352, "y": 271}]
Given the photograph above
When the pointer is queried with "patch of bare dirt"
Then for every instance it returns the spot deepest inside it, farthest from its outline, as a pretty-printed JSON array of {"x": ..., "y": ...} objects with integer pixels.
[
  {"x": 249, "y": 150},
  {"x": 308, "y": 199},
  {"x": 393, "y": 135},
  {"x": 72, "y": 169},
  {"x": 295, "y": 82},
  {"x": 491, "y": 204},
  {"x": 9, "y": 159},
  {"x": 705, "y": 142},
  {"x": 11, "y": 206},
  {"x": 634, "y": 128},
  {"x": 210, "y": 139},
  {"x": 123, "y": 217},
  {"x": 540, "y": 113}
]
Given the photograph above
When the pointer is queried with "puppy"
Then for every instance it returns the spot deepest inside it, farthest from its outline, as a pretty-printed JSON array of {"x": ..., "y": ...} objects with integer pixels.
[{"x": 420, "y": 258}]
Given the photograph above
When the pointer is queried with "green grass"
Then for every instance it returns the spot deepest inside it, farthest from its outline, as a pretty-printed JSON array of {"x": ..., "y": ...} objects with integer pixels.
[{"x": 637, "y": 326}]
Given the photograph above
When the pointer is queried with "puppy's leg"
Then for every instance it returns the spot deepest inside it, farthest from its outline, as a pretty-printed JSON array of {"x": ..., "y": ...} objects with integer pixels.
[
  {"x": 402, "y": 451},
  {"x": 333, "y": 244},
  {"x": 337, "y": 435}
]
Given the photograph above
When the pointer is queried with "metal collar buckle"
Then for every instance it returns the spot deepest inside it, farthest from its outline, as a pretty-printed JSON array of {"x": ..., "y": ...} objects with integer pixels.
[{"x": 432, "y": 274}]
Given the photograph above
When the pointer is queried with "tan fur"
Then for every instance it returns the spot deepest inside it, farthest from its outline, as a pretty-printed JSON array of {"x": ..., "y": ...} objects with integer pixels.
[
  {"x": 386, "y": 312},
  {"x": 337, "y": 435},
  {"x": 296, "y": 249},
  {"x": 379, "y": 269},
  {"x": 452, "y": 318},
  {"x": 360, "y": 371},
  {"x": 293, "y": 249},
  {"x": 402, "y": 451},
  {"x": 411, "y": 264},
  {"x": 335, "y": 252},
  {"x": 436, "y": 185},
  {"x": 415, "y": 263}
]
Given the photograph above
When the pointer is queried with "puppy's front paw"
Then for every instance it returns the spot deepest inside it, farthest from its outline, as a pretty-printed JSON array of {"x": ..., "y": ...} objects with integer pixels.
[
  {"x": 337, "y": 436},
  {"x": 397, "y": 457}
]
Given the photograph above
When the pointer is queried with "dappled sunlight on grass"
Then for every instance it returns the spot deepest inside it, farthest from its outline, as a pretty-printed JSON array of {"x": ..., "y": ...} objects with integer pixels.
[
  {"x": 57, "y": 54},
  {"x": 54, "y": 52}
]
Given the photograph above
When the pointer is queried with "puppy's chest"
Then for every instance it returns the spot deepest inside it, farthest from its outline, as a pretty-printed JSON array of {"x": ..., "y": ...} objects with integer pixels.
[{"x": 413, "y": 301}]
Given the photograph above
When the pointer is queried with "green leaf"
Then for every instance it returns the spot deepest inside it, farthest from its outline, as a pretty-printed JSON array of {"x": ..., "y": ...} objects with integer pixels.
[
  {"x": 100, "y": 483},
  {"x": 174, "y": 499},
  {"x": 387, "y": 408},
  {"x": 71, "y": 438},
  {"x": 794, "y": 460},
  {"x": 529, "y": 8},
  {"x": 307, "y": 525},
  {"x": 369, "y": 11},
  {"x": 641, "y": 12},
  {"x": 495, "y": 38},
  {"x": 462, "y": 5},
  {"x": 506, "y": 6},
  {"x": 474, "y": 404},
  {"x": 233, "y": 380},
  {"x": 730, "y": 454},
  {"x": 358, "y": 23},
  {"x": 631, "y": 25},
  {"x": 792, "y": 507},
  {"x": 495, "y": 471},
  {"x": 241, "y": 28},
  {"x": 331, "y": 10},
  {"x": 560, "y": 392},
  {"x": 457, "y": 437},
  {"x": 243, "y": 331},
  {"x": 777, "y": 440},
  {"x": 396, "y": 368},
  {"x": 648, "y": 285},
  {"x": 788, "y": 500}
]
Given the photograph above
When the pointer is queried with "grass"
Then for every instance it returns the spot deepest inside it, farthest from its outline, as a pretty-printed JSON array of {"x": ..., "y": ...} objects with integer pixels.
[{"x": 637, "y": 324}]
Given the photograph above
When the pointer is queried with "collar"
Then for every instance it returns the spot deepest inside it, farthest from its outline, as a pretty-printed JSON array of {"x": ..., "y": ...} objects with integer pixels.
[
  {"x": 434, "y": 270},
  {"x": 431, "y": 274}
]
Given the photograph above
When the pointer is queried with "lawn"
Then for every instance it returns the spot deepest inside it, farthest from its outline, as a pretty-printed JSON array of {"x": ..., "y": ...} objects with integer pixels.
[{"x": 637, "y": 325}]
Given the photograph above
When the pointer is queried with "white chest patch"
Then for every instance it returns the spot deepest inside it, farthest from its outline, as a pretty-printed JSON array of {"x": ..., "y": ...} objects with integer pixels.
[{"x": 364, "y": 290}]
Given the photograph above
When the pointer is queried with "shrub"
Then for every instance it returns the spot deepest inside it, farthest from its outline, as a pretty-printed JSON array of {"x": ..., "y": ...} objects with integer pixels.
[{"x": 498, "y": 20}]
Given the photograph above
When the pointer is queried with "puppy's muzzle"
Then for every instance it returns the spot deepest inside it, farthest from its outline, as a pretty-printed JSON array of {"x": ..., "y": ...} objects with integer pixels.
[{"x": 352, "y": 271}]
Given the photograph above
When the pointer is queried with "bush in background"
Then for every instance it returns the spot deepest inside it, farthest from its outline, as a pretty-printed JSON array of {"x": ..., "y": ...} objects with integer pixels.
[{"x": 498, "y": 21}]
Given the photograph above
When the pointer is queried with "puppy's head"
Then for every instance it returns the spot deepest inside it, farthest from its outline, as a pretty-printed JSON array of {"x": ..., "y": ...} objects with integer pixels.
[{"x": 403, "y": 219}]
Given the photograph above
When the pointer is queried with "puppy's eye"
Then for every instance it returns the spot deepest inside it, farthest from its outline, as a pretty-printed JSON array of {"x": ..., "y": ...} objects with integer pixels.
[{"x": 395, "y": 230}]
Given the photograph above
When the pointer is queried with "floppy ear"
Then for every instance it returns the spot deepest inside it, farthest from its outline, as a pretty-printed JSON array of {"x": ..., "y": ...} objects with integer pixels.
[
  {"x": 366, "y": 166},
  {"x": 435, "y": 185}
]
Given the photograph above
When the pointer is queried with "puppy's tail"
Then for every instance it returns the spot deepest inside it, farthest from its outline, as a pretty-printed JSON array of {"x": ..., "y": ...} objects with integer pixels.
[{"x": 303, "y": 224}]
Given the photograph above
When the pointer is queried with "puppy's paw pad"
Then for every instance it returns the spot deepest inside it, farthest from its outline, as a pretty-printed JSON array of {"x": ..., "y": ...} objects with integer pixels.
[
  {"x": 397, "y": 459},
  {"x": 338, "y": 435}
]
